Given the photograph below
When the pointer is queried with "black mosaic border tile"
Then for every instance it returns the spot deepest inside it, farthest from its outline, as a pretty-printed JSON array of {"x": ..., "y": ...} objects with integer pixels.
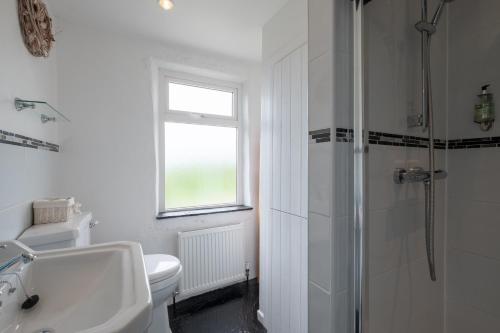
[
  {"x": 390, "y": 139},
  {"x": 320, "y": 136},
  {"x": 397, "y": 140},
  {"x": 474, "y": 143},
  {"x": 14, "y": 139},
  {"x": 344, "y": 135}
]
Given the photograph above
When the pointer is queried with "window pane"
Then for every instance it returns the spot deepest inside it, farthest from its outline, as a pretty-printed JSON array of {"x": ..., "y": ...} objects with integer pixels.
[
  {"x": 200, "y": 100},
  {"x": 200, "y": 165}
]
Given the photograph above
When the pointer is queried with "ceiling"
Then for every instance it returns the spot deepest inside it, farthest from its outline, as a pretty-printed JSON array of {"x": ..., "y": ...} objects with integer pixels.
[{"x": 229, "y": 27}]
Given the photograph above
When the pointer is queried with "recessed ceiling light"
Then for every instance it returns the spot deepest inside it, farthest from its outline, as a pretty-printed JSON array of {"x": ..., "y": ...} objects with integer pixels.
[{"x": 166, "y": 4}]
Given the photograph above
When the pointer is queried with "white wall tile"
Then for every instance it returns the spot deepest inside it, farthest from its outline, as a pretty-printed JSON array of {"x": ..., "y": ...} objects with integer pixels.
[
  {"x": 13, "y": 174},
  {"x": 396, "y": 212},
  {"x": 320, "y": 27},
  {"x": 320, "y": 251},
  {"x": 342, "y": 25},
  {"x": 392, "y": 52},
  {"x": 27, "y": 174},
  {"x": 383, "y": 160},
  {"x": 397, "y": 236},
  {"x": 462, "y": 318},
  {"x": 473, "y": 233},
  {"x": 41, "y": 177},
  {"x": 474, "y": 174},
  {"x": 344, "y": 178},
  {"x": 474, "y": 185},
  {"x": 320, "y": 310},
  {"x": 406, "y": 300},
  {"x": 320, "y": 178},
  {"x": 474, "y": 227},
  {"x": 321, "y": 92},
  {"x": 473, "y": 62},
  {"x": 342, "y": 309},
  {"x": 342, "y": 246},
  {"x": 473, "y": 280},
  {"x": 343, "y": 96}
]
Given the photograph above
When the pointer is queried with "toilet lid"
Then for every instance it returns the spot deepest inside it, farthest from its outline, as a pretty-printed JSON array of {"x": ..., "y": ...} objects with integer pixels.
[{"x": 161, "y": 266}]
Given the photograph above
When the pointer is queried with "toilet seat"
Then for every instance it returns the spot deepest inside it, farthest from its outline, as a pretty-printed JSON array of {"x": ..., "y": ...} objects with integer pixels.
[{"x": 161, "y": 267}]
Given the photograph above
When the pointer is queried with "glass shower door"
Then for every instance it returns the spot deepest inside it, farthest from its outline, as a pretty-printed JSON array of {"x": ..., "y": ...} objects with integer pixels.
[{"x": 399, "y": 93}]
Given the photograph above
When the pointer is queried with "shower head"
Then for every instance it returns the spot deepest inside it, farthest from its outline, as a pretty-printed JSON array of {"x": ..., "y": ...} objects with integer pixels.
[{"x": 439, "y": 12}]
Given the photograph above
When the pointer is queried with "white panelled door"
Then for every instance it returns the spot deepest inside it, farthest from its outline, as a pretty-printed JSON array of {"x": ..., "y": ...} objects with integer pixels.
[
  {"x": 288, "y": 215},
  {"x": 290, "y": 134}
]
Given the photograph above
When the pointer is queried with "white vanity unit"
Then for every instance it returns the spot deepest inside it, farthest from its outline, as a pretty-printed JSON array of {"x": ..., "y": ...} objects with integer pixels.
[
  {"x": 97, "y": 289},
  {"x": 163, "y": 271}
]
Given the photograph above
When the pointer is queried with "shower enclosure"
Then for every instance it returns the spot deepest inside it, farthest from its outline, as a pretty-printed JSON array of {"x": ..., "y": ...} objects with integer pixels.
[{"x": 425, "y": 235}]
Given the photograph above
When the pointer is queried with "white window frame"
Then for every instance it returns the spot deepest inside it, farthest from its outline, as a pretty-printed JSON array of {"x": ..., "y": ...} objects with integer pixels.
[{"x": 167, "y": 115}]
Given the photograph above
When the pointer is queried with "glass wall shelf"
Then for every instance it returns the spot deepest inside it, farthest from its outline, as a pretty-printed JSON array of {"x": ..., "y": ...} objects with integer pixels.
[{"x": 47, "y": 112}]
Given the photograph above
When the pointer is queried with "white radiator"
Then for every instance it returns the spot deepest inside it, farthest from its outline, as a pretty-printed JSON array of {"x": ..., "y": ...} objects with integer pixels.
[{"x": 211, "y": 258}]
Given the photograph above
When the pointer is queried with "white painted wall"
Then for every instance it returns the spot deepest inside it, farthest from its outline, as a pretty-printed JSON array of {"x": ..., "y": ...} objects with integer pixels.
[
  {"x": 288, "y": 26},
  {"x": 24, "y": 76},
  {"x": 25, "y": 173},
  {"x": 109, "y": 165}
]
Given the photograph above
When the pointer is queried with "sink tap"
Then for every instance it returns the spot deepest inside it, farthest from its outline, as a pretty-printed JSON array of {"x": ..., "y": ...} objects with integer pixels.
[
  {"x": 30, "y": 301},
  {"x": 24, "y": 257},
  {"x": 11, "y": 289}
]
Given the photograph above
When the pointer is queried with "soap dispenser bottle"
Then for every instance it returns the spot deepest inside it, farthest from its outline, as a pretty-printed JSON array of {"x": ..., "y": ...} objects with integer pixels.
[{"x": 484, "y": 113}]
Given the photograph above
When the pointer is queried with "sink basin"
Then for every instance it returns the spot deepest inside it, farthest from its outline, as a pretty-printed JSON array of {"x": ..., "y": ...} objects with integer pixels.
[{"x": 97, "y": 289}]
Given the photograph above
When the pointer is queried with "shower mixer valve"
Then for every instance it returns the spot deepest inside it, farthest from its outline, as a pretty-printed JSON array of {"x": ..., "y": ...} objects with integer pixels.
[{"x": 416, "y": 175}]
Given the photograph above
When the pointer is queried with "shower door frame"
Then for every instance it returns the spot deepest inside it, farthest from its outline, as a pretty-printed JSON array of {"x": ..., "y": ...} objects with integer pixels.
[{"x": 360, "y": 154}]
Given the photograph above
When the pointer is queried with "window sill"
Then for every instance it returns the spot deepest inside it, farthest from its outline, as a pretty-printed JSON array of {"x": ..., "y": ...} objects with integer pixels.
[{"x": 201, "y": 211}]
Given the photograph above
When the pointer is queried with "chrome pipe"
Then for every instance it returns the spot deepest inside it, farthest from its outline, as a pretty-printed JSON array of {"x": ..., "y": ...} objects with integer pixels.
[
  {"x": 424, "y": 36},
  {"x": 427, "y": 29},
  {"x": 430, "y": 184}
]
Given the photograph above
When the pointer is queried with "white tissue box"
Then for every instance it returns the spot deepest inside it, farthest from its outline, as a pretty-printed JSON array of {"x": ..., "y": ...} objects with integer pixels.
[{"x": 53, "y": 210}]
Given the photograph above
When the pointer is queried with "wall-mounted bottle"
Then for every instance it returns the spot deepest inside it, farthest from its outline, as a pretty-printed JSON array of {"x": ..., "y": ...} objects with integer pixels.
[{"x": 484, "y": 113}]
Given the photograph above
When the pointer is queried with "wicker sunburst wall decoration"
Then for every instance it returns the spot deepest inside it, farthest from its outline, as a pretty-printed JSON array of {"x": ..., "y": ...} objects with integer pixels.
[{"x": 36, "y": 27}]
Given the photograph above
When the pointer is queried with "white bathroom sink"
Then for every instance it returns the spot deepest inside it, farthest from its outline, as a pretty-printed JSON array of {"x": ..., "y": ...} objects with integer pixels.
[{"x": 98, "y": 289}]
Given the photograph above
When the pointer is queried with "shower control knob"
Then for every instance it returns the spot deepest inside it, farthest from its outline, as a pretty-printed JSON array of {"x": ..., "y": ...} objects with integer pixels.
[
  {"x": 399, "y": 175},
  {"x": 416, "y": 175},
  {"x": 412, "y": 175}
]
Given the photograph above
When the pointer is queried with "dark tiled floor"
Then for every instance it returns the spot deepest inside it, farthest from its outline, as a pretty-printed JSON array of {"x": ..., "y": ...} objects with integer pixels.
[{"x": 228, "y": 310}]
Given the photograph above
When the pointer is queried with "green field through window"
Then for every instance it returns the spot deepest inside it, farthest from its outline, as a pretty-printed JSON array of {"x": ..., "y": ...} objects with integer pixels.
[{"x": 200, "y": 165}]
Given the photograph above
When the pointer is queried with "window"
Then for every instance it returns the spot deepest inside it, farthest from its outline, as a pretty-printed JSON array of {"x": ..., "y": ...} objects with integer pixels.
[
  {"x": 186, "y": 98},
  {"x": 200, "y": 144}
]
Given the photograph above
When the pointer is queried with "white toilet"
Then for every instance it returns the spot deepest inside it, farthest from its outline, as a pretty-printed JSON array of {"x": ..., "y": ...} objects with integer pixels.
[{"x": 164, "y": 271}]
